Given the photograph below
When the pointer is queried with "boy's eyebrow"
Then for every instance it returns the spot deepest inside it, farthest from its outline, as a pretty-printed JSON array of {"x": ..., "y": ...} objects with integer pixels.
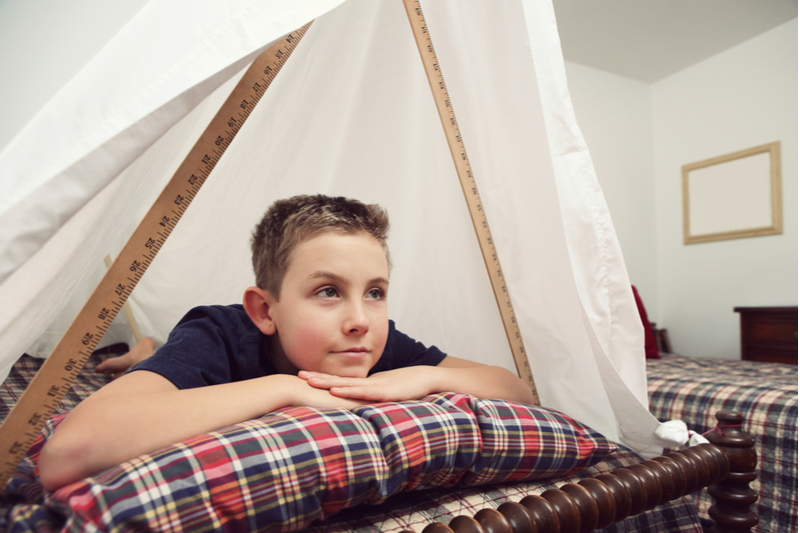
[{"x": 323, "y": 274}]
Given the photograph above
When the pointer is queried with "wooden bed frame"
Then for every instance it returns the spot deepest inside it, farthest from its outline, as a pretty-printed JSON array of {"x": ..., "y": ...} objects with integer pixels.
[{"x": 726, "y": 465}]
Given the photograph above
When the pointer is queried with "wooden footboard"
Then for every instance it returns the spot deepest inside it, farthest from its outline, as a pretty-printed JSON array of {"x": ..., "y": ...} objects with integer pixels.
[{"x": 726, "y": 465}]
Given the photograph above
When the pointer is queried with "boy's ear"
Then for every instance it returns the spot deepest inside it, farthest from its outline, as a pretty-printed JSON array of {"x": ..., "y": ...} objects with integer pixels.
[{"x": 258, "y": 306}]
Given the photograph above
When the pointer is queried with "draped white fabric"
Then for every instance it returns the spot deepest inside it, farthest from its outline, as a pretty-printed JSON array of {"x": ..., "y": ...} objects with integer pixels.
[{"x": 350, "y": 114}]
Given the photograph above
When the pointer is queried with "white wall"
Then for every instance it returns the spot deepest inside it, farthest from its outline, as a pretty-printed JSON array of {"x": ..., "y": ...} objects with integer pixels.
[
  {"x": 614, "y": 114},
  {"x": 640, "y": 135},
  {"x": 743, "y": 97}
]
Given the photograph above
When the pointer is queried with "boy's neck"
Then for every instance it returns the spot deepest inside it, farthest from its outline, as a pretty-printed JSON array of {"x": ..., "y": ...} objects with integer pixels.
[{"x": 276, "y": 355}]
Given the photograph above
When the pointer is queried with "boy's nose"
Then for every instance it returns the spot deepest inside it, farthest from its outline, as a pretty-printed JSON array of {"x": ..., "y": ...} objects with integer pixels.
[{"x": 356, "y": 321}]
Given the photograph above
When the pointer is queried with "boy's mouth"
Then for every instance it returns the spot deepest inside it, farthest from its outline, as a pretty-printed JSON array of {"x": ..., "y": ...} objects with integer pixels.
[{"x": 353, "y": 352}]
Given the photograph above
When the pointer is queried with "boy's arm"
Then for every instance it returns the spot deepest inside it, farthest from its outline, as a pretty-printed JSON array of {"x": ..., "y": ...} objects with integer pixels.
[
  {"x": 143, "y": 411},
  {"x": 414, "y": 382}
]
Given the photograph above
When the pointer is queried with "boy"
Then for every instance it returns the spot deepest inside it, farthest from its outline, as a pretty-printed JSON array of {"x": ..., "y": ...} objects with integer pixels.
[{"x": 314, "y": 331}]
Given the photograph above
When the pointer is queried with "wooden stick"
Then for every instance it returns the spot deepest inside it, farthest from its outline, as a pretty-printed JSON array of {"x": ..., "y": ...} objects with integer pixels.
[
  {"x": 470, "y": 189},
  {"x": 126, "y": 308},
  {"x": 56, "y": 375}
]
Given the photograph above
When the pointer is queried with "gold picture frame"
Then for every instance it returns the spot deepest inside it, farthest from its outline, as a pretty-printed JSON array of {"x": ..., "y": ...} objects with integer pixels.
[{"x": 733, "y": 196}]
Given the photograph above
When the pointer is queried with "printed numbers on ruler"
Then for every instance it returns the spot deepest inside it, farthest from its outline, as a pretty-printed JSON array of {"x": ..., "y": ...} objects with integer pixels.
[
  {"x": 469, "y": 186},
  {"x": 45, "y": 392}
]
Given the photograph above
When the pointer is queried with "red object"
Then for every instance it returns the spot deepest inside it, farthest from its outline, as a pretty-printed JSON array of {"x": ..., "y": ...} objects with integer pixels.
[{"x": 650, "y": 348}]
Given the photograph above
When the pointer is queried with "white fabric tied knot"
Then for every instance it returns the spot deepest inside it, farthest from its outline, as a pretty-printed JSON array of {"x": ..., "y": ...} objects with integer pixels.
[{"x": 676, "y": 433}]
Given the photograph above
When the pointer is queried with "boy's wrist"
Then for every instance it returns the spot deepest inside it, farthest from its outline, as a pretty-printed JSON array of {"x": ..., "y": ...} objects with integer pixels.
[
  {"x": 290, "y": 391},
  {"x": 444, "y": 379},
  {"x": 284, "y": 390}
]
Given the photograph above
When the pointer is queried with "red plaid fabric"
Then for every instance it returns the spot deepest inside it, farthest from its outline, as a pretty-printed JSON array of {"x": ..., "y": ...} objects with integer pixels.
[
  {"x": 298, "y": 465},
  {"x": 416, "y": 510}
]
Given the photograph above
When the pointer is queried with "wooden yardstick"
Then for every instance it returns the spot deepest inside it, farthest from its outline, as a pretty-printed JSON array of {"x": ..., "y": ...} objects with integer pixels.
[
  {"x": 61, "y": 368},
  {"x": 470, "y": 188}
]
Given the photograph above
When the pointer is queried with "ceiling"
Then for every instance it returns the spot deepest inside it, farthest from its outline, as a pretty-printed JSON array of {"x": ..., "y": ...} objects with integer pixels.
[{"x": 650, "y": 39}]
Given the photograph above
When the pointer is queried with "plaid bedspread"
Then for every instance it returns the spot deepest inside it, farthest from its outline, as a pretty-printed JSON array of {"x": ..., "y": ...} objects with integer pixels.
[
  {"x": 409, "y": 509},
  {"x": 693, "y": 389},
  {"x": 26, "y": 367},
  {"x": 414, "y": 511}
]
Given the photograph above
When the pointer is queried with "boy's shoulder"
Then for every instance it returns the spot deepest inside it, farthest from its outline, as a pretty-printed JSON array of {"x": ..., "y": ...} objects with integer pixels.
[
  {"x": 403, "y": 351},
  {"x": 233, "y": 314},
  {"x": 211, "y": 344},
  {"x": 230, "y": 325}
]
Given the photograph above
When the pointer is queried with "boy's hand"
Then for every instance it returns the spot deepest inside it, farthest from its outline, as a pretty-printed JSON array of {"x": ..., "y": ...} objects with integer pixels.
[
  {"x": 114, "y": 366},
  {"x": 412, "y": 383},
  {"x": 322, "y": 398},
  {"x": 390, "y": 386},
  {"x": 117, "y": 366}
]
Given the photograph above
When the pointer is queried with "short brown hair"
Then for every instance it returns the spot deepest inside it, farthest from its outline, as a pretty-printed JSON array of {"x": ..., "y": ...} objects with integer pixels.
[{"x": 291, "y": 221}]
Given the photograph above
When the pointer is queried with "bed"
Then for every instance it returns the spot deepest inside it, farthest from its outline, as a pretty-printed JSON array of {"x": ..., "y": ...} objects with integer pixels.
[
  {"x": 693, "y": 389},
  {"x": 491, "y": 491}
]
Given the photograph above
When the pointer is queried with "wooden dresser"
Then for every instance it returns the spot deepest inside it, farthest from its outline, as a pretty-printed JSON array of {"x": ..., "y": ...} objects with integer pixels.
[{"x": 769, "y": 334}]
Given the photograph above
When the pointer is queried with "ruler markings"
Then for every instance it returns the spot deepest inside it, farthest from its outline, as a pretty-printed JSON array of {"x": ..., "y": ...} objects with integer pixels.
[
  {"x": 469, "y": 187},
  {"x": 45, "y": 392}
]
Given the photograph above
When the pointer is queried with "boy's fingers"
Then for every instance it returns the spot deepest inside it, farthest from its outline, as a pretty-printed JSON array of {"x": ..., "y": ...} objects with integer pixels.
[
  {"x": 324, "y": 399},
  {"x": 112, "y": 366},
  {"x": 305, "y": 374},
  {"x": 327, "y": 381},
  {"x": 355, "y": 393},
  {"x": 369, "y": 393}
]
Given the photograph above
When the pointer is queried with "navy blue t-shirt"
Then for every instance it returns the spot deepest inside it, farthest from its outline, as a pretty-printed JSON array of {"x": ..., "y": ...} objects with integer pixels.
[{"x": 220, "y": 344}]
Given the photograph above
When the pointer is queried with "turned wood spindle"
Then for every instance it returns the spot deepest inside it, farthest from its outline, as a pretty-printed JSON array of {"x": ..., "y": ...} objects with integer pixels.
[
  {"x": 493, "y": 521},
  {"x": 621, "y": 495},
  {"x": 542, "y": 513},
  {"x": 587, "y": 506},
  {"x": 603, "y": 495},
  {"x": 727, "y": 464},
  {"x": 712, "y": 458},
  {"x": 676, "y": 473},
  {"x": 434, "y": 527},
  {"x": 665, "y": 480},
  {"x": 732, "y": 495},
  {"x": 636, "y": 488},
  {"x": 518, "y": 517},
  {"x": 651, "y": 482},
  {"x": 689, "y": 474},
  {"x": 703, "y": 470},
  {"x": 465, "y": 524},
  {"x": 569, "y": 516}
]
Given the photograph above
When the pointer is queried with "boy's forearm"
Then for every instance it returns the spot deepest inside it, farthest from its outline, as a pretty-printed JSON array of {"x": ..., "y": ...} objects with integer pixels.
[
  {"x": 113, "y": 428},
  {"x": 106, "y": 432}
]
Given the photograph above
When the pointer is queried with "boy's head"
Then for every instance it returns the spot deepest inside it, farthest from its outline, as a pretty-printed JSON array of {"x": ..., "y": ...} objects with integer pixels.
[
  {"x": 291, "y": 221},
  {"x": 322, "y": 269}
]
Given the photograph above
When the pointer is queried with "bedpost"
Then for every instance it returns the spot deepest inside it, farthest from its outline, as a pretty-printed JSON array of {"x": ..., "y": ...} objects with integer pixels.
[
  {"x": 732, "y": 495},
  {"x": 726, "y": 465}
]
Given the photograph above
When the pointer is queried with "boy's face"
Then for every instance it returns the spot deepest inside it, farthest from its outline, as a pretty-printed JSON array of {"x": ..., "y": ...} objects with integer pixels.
[{"x": 332, "y": 314}]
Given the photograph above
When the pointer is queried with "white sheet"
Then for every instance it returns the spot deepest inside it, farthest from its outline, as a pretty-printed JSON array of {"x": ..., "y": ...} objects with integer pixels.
[{"x": 350, "y": 114}]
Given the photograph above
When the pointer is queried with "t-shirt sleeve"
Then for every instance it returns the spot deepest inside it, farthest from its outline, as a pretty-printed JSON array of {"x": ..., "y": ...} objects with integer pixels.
[
  {"x": 402, "y": 351},
  {"x": 201, "y": 349}
]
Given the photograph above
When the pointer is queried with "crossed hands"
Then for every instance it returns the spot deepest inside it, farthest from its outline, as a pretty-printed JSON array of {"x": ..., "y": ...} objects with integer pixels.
[
  {"x": 322, "y": 390},
  {"x": 390, "y": 386}
]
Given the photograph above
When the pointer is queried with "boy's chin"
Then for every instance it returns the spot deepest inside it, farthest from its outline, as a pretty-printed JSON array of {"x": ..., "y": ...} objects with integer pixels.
[{"x": 349, "y": 373}]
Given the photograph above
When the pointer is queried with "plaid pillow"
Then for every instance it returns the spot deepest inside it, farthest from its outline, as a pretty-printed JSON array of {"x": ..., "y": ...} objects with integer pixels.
[{"x": 297, "y": 465}]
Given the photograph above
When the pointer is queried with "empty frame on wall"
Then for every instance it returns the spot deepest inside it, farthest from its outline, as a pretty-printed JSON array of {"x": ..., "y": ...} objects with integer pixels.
[{"x": 733, "y": 196}]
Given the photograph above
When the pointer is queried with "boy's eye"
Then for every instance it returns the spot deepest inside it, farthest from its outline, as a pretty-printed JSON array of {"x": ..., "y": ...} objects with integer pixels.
[
  {"x": 375, "y": 294},
  {"x": 327, "y": 292}
]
